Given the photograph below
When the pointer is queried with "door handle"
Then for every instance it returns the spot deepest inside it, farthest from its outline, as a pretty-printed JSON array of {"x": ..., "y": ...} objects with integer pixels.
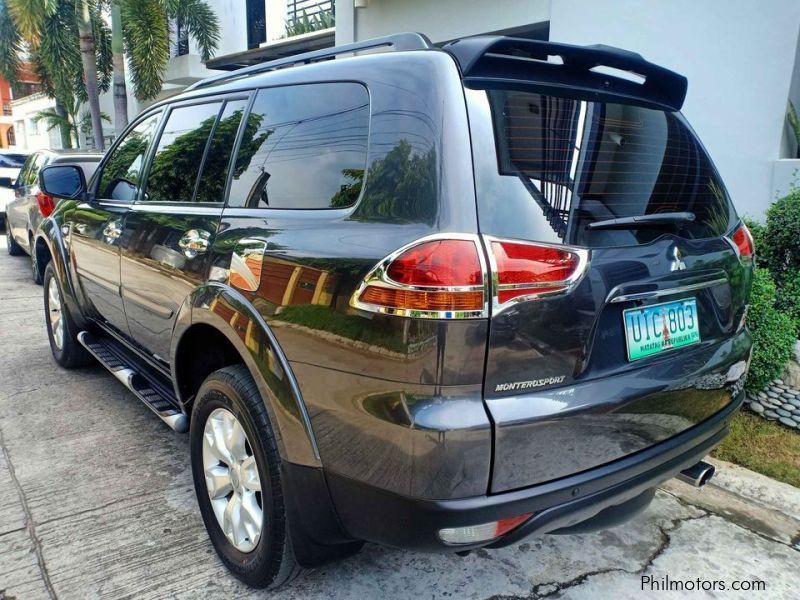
[
  {"x": 112, "y": 231},
  {"x": 194, "y": 242}
]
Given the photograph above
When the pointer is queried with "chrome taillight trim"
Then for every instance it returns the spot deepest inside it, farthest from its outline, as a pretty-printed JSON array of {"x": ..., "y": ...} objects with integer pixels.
[
  {"x": 564, "y": 286},
  {"x": 379, "y": 277}
]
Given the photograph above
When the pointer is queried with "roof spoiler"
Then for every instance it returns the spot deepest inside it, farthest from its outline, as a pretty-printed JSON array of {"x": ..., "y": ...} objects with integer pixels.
[{"x": 487, "y": 60}]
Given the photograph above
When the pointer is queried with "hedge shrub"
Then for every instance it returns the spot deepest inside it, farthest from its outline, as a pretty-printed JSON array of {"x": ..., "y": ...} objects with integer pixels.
[
  {"x": 774, "y": 333},
  {"x": 780, "y": 251}
]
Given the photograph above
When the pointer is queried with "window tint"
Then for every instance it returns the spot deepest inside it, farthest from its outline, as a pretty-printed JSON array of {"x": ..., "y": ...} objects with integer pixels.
[
  {"x": 25, "y": 172},
  {"x": 303, "y": 147},
  {"x": 12, "y": 161},
  {"x": 122, "y": 172},
  {"x": 179, "y": 154},
  {"x": 572, "y": 162},
  {"x": 211, "y": 187}
]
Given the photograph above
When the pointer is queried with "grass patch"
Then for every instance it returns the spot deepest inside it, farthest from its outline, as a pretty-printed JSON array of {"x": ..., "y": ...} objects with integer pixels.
[{"x": 762, "y": 446}]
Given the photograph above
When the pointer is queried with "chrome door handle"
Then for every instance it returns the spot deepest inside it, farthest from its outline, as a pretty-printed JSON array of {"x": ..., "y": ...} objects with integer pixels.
[
  {"x": 112, "y": 231},
  {"x": 194, "y": 242}
]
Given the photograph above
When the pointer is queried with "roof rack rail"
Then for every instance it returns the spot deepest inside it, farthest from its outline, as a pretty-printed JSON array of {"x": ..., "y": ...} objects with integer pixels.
[
  {"x": 397, "y": 42},
  {"x": 487, "y": 59}
]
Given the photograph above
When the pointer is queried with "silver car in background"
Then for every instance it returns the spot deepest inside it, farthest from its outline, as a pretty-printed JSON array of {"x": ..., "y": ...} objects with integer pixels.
[
  {"x": 30, "y": 205},
  {"x": 10, "y": 164}
]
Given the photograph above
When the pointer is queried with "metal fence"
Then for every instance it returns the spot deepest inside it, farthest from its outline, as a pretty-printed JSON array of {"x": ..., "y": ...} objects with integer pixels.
[{"x": 296, "y": 9}]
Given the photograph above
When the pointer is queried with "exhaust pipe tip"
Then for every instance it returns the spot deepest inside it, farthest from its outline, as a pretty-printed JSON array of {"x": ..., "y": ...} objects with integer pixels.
[{"x": 698, "y": 475}]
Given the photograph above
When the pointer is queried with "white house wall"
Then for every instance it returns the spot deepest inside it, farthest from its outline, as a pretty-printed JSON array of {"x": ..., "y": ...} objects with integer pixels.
[
  {"x": 440, "y": 20},
  {"x": 739, "y": 56}
]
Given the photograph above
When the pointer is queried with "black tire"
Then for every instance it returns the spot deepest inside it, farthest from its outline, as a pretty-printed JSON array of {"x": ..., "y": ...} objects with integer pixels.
[
  {"x": 271, "y": 563},
  {"x": 37, "y": 274},
  {"x": 71, "y": 354},
  {"x": 14, "y": 249}
]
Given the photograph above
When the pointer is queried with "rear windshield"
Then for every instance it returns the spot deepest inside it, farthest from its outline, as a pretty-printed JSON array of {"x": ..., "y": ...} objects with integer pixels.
[{"x": 547, "y": 166}]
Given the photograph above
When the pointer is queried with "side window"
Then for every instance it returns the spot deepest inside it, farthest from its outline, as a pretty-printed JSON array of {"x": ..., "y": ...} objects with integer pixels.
[
  {"x": 25, "y": 172},
  {"x": 179, "y": 154},
  {"x": 122, "y": 171},
  {"x": 303, "y": 146},
  {"x": 211, "y": 187}
]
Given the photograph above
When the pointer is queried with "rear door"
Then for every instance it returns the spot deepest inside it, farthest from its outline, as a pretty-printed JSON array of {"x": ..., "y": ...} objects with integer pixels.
[
  {"x": 95, "y": 227},
  {"x": 173, "y": 222},
  {"x": 641, "y": 342}
]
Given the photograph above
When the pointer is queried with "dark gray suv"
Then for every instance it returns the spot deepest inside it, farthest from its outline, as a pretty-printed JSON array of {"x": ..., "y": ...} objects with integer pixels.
[{"x": 434, "y": 298}]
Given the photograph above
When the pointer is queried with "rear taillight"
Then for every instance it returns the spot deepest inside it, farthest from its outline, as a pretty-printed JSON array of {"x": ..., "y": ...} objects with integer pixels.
[
  {"x": 46, "y": 204},
  {"x": 524, "y": 270},
  {"x": 446, "y": 278},
  {"x": 743, "y": 242},
  {"x": 439, "y": 278}
]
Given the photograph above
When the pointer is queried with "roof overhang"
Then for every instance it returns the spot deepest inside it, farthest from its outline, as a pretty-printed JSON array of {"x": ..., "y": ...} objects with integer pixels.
[{"x": 307, "y": 42}]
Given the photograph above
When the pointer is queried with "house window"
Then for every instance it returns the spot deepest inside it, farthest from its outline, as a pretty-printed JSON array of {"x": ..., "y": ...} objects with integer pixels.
[
  {"x": 256, "y": 23},
  {"x": 12, "y": 141},
  {"x": 181, "y": 37}
]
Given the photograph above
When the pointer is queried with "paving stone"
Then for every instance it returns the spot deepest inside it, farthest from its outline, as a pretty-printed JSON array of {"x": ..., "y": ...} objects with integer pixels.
[
  {"x": 783, "y": 413},
  {"x": 771, "y": 414},
  {"x": 772, "y": 394},
  {"x": 757, "y": 408},
  {"x": 788, "y": 422}
]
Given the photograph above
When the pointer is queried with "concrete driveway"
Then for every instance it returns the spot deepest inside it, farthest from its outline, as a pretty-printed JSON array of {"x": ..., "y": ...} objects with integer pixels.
[{"x": 96, "y": 500}]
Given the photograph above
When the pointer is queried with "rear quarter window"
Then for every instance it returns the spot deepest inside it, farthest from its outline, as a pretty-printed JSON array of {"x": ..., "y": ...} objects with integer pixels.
[
  {"x": 303, "y": 147},
  {"x": 547, "y": 166}
]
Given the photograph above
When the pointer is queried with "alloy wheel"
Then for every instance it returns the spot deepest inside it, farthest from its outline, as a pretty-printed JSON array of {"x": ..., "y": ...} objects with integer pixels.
[
  {"x": 54, "y": 313},
  {"x": 232, "y": 480}
]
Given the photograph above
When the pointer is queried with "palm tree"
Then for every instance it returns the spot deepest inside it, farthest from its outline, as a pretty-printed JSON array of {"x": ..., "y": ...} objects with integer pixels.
[
  {"x": 50, "y": 32},
  {"x": 89, "y": 61},
  {"x": 72, "y": 120},
  {"x": 140, "y": 28}
]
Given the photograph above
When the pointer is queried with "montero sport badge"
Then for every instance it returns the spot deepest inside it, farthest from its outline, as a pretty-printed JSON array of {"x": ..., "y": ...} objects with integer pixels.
[{"x": 533, "y": 383}]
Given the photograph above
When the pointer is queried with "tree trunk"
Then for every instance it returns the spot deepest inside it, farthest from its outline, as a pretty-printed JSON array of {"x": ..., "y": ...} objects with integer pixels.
[
  {"x": 120, "y": 91},
  {"x": 89, "y": 61},
  {"x": 64, "y": 130}
]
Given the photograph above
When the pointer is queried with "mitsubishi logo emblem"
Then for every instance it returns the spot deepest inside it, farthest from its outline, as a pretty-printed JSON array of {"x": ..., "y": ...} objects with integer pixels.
[{"x": 677, "y": 260}]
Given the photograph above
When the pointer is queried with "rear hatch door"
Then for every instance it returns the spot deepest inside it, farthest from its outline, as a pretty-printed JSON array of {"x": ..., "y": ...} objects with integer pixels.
[{"x": 642, "y": 343}]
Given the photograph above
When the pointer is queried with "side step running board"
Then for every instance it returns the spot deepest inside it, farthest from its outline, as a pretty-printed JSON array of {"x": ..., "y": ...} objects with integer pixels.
[{"x": 156, "y": 394}]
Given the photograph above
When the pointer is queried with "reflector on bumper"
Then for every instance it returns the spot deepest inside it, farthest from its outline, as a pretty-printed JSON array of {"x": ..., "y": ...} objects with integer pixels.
[{"x": 481, "y": 533}]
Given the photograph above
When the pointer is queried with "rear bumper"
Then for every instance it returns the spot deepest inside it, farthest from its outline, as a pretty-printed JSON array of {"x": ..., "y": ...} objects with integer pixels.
[{"x": 371, "y": 514}]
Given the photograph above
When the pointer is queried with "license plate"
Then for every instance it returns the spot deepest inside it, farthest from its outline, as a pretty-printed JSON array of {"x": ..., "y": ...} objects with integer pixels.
[{"x": 660, "y": 327}]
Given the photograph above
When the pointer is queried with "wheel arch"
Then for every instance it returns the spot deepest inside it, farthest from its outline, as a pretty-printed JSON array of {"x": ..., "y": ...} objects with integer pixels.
[
  {"x": 49, "y": 244},
  {"x": 217, "y": 316}
]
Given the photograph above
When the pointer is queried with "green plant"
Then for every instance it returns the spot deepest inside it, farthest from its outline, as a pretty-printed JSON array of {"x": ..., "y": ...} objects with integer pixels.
[
  {"x": 787, "y": 298},
  {"x": 774, "y": 333},
  {"x": 324, "y": 19},
  {"x": 781, "y": 244},
  {"x": 794, "y": 121}
]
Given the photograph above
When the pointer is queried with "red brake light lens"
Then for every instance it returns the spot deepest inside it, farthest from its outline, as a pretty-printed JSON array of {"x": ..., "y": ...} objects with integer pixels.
[
  {"x": 46, "y": 204},
  {"x": 744, "y": 242},
  {"x": 440, "y": 263},
  {"x": 432, "y": 279},
  {"x": 525, "y": 269}
]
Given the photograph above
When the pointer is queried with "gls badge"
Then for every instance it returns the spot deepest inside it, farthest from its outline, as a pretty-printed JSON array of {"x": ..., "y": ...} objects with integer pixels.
[{"x": 524, "y": 385}]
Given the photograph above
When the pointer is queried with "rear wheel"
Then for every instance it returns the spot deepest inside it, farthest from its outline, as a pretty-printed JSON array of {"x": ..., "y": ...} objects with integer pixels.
[
  {"x": 236, "y": 468},
  {"x": 61, "y": 329},
  {"x": 14, "y": 249}
]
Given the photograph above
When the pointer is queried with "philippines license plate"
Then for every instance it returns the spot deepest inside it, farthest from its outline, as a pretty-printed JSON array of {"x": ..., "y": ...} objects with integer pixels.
[{"x": 660, "y": 327}]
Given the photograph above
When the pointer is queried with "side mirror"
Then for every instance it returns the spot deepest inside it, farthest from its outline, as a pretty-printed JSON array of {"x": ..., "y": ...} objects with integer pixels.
[
  {"x": 62, "y": 181},
  {"x": 6, "y": 182}
]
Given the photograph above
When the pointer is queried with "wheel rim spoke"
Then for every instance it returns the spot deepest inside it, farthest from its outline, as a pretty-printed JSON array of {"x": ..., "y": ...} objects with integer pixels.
[
  {"x": 54, "y": 306},
  {"x": 232, "y": 480},
  {"x": 250, "y": 478},
  {"x": 252, "y": 516},
  {"x": 218, "y": 481}
]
